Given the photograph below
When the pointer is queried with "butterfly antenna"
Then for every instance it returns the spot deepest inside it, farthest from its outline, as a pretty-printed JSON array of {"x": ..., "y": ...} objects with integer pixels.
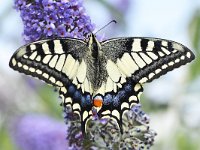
[{"x": 113, "y": 21}]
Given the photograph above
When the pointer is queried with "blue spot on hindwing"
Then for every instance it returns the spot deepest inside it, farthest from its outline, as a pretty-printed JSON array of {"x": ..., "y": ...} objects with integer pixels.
[
  {"x": 83, "y": 101},
  {"x": 71, "y": 89},
  {"x": 128, "y": 87},
  {"x": 121, "y": 94},
  {"x": 107, "y": 99},
  {"x": 77, "y": 95},
  {"x": 88, "y": 99},
  {"x": 116, "y": 101}
]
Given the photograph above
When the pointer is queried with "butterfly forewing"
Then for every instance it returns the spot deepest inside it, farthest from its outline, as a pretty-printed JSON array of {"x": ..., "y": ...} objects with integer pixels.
[
  {"x": 47, "y": 59},
  {"x": 145, "y": 59},
  {"x": 61, "y": 63}
]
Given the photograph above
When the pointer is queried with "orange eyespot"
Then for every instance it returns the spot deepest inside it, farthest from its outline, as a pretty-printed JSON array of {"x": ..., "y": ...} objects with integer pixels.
[{"x": 98, "y": 101}]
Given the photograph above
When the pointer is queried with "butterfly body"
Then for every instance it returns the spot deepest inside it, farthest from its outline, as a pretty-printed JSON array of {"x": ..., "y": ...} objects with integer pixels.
[{"x": 103, "y": 76}]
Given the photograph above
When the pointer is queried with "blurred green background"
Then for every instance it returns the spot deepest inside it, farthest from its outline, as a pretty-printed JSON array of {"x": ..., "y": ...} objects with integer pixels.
[{"x": 172, "y": 101}]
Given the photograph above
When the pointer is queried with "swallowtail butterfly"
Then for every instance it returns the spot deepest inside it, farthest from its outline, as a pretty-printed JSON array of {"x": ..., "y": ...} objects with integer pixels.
[{"x": 106, "y": 76}]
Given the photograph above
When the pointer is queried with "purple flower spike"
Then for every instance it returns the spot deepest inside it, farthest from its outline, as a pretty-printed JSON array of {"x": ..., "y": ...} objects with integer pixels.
[
  {"x": 105, "y": 134},
  {"x": 50, "y": 19},
  {"x": 34, "y": 132}
]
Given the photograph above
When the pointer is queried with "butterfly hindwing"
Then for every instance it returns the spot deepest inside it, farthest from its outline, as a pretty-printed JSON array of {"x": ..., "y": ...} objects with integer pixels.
[
  {"x": 132, "y": 62},
  {"x": 115, "y": 104},
  {"x": 80, "y": 103}
]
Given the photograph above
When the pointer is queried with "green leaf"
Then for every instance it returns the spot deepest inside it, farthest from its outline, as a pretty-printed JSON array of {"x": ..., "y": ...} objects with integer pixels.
[
  {"x": 194, "y": 32},
  {"x": 149, "y": 105},
  {"x": 5, "y": 142},
  {"x": 186, "y": 142},
  {"x": 50, "y": 101}
]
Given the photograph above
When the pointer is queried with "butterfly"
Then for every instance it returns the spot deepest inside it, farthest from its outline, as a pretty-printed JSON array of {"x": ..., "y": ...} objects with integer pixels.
[{"x": 104, "y": 76}]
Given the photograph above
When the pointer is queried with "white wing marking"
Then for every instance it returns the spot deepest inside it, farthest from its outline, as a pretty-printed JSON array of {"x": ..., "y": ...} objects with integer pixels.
[
  {"x": 68, "y": 100},
  {"x": 38, "y": 58},
  {"x": 14, "y": 62},
  {"x": 82, "y": 88},
  {"x": 60, "y": 62},
  {"x": 38, "y": 71},
  {"x": 52, "y": 79},
  {"x": 116, "y": 114},
  {"x": 138, "y": 60},
  {"x": 58, "y": 47},
  {"x": 136, "y": 46},
  {"x": 164, "y": 43},
  {"x": 161, "y": 54},
  {"x": 74, "y": 70},
  {"x": 69, "y": 63},
  {"x": 86, "y": 85},
  {"x": 124, "y": 105},
  {"x": 46, "y": 59},
  {"x": 146, "y": 58},
  {"x": 45, "y": 75},
  {"x": 76, "y": 106},
  {"x": 85, "y": 115},
  {"x": 113, "y": 71},
  {"x": 33, "y": 55},
  {"x": 125, "y": 69},
  {"x": 31, "y": 69},
  {"x": 53, "y": 61},
  {"x": 132, "y": 99},
  {"x": 165, "y": 50},
  {"x": 45, "y": 48},
  {"x": 106, "y": 112},
  {"x": 109, "y": 85},
  {"x": 19, "y": 64},
  {"x": 81, "y": 74},
  {"x": 152, "y": 55},
  {"x": 75, "y": 82},
  {"x": 32, "y": 47},
  {"x": 150, "y": 46},
  {"x": 114, "y": 87},
  {"x": 25, "y": 67},
  {"x": 129, "y": 63}
]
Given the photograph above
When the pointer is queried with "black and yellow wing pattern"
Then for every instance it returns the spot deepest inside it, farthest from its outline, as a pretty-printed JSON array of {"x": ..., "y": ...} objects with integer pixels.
[{"x": 111, "y": 71}]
